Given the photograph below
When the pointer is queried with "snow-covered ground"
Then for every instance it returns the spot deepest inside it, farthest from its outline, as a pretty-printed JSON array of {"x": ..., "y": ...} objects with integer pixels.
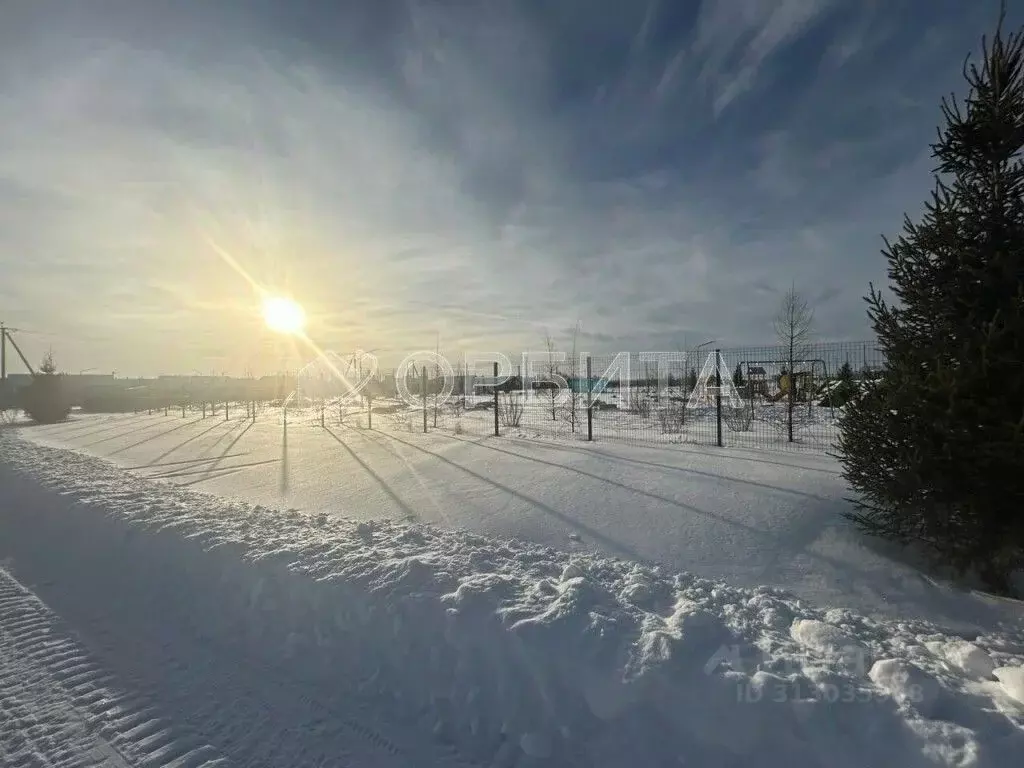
[
  {"x": 744, "y": 517},
  {"x": 340, "y": 597}
]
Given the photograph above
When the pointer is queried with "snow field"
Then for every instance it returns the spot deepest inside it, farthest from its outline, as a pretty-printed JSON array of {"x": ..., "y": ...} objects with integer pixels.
[
  {"x": 502, "y": 653},
  {"x": 741, "y": 517}
]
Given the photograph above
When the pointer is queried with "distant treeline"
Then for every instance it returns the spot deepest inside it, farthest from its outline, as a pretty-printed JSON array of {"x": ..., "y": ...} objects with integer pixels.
[{"x": 134, "y": 396}]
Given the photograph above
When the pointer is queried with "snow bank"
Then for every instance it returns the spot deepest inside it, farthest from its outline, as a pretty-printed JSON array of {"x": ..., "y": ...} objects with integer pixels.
[{"x": 519, "y": 655}]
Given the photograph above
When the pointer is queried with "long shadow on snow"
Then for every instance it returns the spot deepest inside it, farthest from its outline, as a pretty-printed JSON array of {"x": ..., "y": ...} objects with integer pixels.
[
  {"x": 223, "y": 454},
  {"x": 746, "y": 454},
  {"x": 89, "y": 430},
  {"x": 125, "y": 433},
  {"x": 796, "y": 540},
  {"x": 654, "y": 496},
  {"x": 792, "y": 542},
  {"x": 656, "y": 465},
  {"x": 183, "y": 443},
  {"x": 72, "y": 423},
  {"x": 410, "y": 513},
  {"x": 151, "y": 438},
  {"x": 617, "y": 547},
  {"x": 206, "y": 472},
  {"x": 235, "y": 424}
]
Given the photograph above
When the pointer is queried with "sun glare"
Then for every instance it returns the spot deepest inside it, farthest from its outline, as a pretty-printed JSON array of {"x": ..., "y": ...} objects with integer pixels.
[{"x": 283, "y": 315}]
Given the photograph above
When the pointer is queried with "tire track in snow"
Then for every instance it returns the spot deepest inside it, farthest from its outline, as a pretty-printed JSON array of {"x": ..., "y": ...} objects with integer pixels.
[
  {"x": 193, "y": 684},
  {"x": 55, "y": 708},
  {"x": 263, "y": 716}
]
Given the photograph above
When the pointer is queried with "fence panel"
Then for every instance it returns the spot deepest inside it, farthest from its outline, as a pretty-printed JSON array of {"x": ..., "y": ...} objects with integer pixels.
[{"x": 757, "y": 397}]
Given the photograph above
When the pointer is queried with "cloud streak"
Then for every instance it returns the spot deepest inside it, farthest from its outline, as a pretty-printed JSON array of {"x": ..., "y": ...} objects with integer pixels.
[{"x": 412, "y": 169}]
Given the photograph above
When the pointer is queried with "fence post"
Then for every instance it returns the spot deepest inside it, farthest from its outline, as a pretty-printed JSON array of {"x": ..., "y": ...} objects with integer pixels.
[
  {"x": 718, "y": 394},
  {"x": 423, "y": 392},
  {"x": 183, "y": 411},
  {"x": 253, "y": 411},
  {"x": 590, "y": 401},
  {"x": 227, "y": 410},
  {"x": 204, "y": 409},
  {"x": 369, "y": 411},
  {"x": 322, "y": 424},
  {"x": 497, "y": 431}
]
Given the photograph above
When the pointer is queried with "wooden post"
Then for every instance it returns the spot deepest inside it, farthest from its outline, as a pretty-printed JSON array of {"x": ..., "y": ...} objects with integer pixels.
[
  {"x": 590, "y": 401},
  {"x": 204, "y": 410},
  {"x": 718, "y": 394},
  {"x": 369, "y": 411},
  {"x": 227, "y": 410},
  {"x": 494, "y": 384},
  {"x": 322, "y": 423}
]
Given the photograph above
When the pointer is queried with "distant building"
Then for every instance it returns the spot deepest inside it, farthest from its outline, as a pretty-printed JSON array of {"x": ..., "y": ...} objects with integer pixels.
[{"x": 757, "y": 380}]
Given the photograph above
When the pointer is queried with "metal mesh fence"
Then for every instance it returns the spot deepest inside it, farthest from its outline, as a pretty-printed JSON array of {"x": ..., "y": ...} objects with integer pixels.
[{"x": 757, "y": 397}]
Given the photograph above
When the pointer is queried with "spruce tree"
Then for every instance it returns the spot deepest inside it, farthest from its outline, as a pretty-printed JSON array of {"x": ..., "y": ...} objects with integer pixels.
[
  {"x": 737, "y": 377},
  {"x": 45, "y": 400},
  {"x": 934, "y": 449},
  {"x": 844, "y": 389}
]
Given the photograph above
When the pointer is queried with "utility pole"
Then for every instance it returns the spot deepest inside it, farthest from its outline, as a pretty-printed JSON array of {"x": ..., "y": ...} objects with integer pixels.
[{"x": 3, "y": 352}]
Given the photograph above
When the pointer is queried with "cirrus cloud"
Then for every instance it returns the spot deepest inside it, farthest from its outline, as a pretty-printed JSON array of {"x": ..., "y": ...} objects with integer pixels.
[{"x": 412, "y": 170}]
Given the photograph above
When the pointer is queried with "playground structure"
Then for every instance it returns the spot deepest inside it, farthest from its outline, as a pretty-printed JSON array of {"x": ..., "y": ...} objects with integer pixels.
[
  {"x": 805, "y": 381},
  {"x": 770, "y": 382}
]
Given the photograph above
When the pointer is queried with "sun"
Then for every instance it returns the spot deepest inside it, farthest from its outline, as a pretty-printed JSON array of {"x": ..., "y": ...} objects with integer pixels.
[{"x": 283, "y": 315}]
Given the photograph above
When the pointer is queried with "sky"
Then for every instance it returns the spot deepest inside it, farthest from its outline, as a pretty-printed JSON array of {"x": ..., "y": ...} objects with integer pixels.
[{"x": 463, "y": 175}]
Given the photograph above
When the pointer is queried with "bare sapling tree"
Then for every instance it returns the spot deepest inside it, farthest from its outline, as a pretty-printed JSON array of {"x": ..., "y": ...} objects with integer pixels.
[
  {"x": 464, "y": 384},
  {"x": 551, "y": 369},
  {"x": 684, "y": 393},
  {"x": 641, "y": 393},
  {"x": 573, "y": 402},
  {"x": 793, "y": 328},
  {"x": 510, "y": 407},
  {"x": 437, "y": 378}
]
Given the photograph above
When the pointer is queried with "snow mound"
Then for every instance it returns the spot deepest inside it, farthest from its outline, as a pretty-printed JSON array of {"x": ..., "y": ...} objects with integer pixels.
[
  {"x": 965, "y": 656},
  {"x": 830, "y": 641},
  {"x": 907, "y": 683},
  {"x": 1012, "y": 679},
  {"x": 519, "y": 655}
]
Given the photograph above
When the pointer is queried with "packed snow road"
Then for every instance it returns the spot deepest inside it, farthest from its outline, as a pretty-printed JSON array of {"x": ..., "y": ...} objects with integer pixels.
[
  {"x": 100, "y": 666},
  {"x": 122, "y": 691},
  {"x": 54, "y": 707}
]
